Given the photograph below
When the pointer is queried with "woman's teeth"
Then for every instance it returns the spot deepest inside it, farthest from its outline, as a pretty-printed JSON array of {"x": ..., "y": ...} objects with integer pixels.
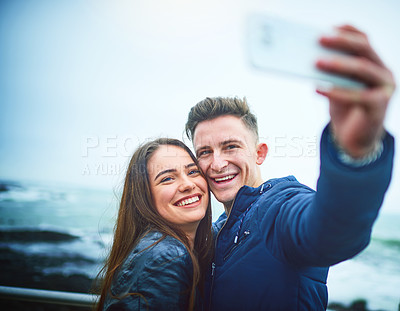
[{"x": 188, "y": 201}]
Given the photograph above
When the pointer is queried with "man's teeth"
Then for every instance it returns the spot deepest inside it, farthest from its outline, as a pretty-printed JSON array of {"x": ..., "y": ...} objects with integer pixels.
[
  {"x": 224, "y": 178},
  {"x": 188, "y": 201}
]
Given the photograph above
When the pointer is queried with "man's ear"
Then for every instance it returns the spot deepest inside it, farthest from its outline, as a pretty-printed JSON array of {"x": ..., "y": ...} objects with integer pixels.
[{"x": 262, "y": 150}]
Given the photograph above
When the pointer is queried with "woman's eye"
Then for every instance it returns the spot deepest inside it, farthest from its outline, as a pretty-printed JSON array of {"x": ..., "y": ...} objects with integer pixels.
[
  {"x": 166, "y": 179},
  {"x": 192, "y": 172}
]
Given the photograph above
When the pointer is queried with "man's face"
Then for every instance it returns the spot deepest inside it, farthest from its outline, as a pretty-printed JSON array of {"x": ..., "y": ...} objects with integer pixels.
[{"x": 229, "y": 156}]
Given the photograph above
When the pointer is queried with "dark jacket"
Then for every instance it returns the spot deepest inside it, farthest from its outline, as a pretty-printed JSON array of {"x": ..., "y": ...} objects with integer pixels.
[
  {"x": 159, "y": 274},
  {"x": 275, "y": 249}
]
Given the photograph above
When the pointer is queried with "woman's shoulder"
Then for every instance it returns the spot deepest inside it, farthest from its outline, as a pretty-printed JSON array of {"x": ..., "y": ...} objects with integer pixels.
[
  {"x": 151, "y": 256},
  {"x": 155, "y": 249},
  {"x": 157, "y": 245}
]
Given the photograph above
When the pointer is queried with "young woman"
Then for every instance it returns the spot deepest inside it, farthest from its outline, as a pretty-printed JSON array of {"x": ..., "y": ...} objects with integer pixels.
[{"x": 162, "y": 240}]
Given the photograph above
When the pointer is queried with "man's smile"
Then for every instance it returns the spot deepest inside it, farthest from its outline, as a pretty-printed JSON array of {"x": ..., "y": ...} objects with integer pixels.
[{"x": 223, "y": 179}]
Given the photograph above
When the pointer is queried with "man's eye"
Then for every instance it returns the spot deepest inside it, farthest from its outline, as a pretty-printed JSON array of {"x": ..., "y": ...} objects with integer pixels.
[
  {"x": 203, "y": 153},
  {"x": 232, "y": 147}
]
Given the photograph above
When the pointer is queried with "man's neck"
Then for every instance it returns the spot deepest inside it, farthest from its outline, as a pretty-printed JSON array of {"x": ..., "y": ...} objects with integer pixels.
[{"x": 228, "y": 205}]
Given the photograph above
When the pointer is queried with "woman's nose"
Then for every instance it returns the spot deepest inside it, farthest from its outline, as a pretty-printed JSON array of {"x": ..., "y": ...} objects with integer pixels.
[{"x": 186, "y": 185}]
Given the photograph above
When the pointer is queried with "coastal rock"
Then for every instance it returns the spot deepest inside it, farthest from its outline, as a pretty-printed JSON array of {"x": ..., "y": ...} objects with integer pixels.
[
  {"x": 29, "y": 236},
  {"x": 27, "y": 271},
  {"x": 356, "y": 305}
]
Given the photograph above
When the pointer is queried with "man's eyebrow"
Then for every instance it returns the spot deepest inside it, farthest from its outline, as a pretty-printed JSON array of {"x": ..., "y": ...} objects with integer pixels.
[
  {"x": 225, "y": 142},
  {"x": 230, "y": 141},
  {"x": 172, "y": 170}
]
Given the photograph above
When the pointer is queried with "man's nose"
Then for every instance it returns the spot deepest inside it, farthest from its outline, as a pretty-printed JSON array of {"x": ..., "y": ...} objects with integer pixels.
[{"x": 218, "y": 163}]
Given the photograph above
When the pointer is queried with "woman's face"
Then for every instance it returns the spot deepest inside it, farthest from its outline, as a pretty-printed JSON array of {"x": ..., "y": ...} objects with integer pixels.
[{"x": 179, "y": 191}]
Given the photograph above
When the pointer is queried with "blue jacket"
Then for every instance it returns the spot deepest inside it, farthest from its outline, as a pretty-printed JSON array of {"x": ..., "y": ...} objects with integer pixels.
[
  {"x": 275, "y": 249},
  {"x": 160, "y": 273}
]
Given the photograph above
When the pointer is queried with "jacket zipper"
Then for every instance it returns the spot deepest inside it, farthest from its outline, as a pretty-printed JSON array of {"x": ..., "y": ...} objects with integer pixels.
[
  {"x": 237, "y": 243},
  {"x": 213, "y": 263}
]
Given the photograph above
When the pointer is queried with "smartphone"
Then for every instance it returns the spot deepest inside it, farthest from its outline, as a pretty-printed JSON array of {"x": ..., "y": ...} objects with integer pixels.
[{"x": 282, "y": 46}]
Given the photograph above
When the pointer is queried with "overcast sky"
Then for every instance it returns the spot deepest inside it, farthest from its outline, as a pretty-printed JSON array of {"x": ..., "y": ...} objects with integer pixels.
[{"x": 82, "y": 83}]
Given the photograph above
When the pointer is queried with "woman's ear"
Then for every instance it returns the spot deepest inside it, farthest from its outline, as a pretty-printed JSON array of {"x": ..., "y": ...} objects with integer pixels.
[{"x": 262, "y": 150}]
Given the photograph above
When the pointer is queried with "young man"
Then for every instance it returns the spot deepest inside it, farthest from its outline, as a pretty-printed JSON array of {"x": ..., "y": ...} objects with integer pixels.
[{"x": 276, "y": 240}]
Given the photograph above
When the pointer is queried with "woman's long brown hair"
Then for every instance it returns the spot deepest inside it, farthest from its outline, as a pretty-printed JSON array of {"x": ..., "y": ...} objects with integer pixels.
[{"x": 137, "y": 216}]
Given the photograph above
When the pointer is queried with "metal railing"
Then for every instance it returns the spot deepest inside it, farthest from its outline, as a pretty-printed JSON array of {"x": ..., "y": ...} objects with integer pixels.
[{"x": 48, "y": 296}]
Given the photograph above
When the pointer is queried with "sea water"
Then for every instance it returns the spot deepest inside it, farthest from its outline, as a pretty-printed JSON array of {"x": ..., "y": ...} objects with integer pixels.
[
  {"x": 89, "y": 215},
  {"x": 86, "y": 215},
  {"x": 374, "y": 274}
]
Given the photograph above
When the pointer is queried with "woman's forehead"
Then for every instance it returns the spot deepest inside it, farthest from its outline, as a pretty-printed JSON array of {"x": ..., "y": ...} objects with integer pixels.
[{"x": 168, "y": 157}]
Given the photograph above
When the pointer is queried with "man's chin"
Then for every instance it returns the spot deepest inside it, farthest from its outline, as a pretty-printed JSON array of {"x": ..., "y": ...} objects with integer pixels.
[{"x": 224, "y": 198}]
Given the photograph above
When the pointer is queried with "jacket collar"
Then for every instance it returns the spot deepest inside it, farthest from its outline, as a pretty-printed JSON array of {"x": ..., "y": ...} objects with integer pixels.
[{"x": 246, "y": 196}]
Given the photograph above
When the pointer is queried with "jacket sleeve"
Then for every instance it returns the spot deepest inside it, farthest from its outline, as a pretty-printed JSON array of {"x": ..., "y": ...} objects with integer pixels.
[
  {"x": 335, "y": 223},
  {"x": 161, "y": 283}
]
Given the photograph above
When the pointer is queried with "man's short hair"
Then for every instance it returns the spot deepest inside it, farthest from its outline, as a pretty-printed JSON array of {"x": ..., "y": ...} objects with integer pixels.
[{"x": 213, "y": 107}]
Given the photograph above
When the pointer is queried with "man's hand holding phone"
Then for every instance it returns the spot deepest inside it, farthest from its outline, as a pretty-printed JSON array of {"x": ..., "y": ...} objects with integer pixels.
[
  {"x": 359, "y": 85},
  {"x": 357, "y": 114}
]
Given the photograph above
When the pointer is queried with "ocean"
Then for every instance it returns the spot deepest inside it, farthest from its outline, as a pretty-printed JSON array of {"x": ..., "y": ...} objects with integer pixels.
[{"x": 68, "y": 231}]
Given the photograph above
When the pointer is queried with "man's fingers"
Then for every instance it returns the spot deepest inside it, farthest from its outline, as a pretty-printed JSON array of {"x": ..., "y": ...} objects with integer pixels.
[
  {"x": 371, "y": 100},
  {"x": 350, "y": 28},
  {"x": 342, "y": 96},
  {"x": 350, "y": 40},
  {"x": 358, "y": 68}
]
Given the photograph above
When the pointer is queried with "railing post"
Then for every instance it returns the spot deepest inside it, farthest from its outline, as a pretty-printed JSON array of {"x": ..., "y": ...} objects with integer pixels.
[{"x": 47, "y": 296}]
